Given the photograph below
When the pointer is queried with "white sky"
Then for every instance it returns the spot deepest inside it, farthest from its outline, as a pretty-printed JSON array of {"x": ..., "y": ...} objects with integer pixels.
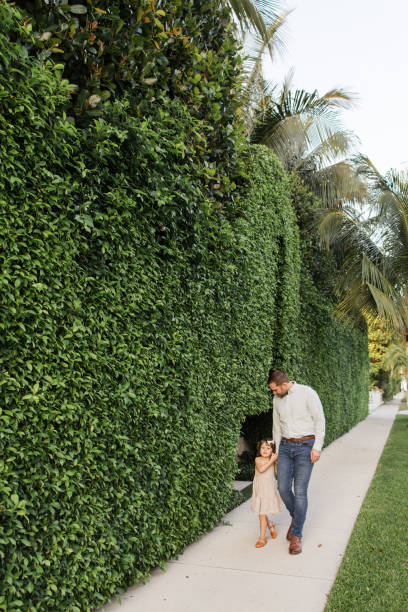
[{"x": 361, "y": 46}]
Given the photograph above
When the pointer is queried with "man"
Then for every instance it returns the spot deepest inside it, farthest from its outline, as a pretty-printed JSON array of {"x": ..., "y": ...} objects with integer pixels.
[{"x": 298, "y": 431}]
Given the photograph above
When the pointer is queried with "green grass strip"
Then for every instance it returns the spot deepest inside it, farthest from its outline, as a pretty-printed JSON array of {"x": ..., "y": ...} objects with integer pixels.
[{"x": 374, "y": 570}]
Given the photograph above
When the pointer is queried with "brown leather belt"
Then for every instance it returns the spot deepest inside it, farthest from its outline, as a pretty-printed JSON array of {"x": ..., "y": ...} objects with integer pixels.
[{"x": 304, "y": 439}]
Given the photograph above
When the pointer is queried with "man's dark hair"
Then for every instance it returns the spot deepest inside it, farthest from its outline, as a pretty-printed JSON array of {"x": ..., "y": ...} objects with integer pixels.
[{"x": 277, "y": 376}]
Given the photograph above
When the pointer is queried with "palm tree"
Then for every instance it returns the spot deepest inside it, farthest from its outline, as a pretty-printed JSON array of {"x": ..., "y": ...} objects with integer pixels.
[
  {"x": 373, "y": 249},
  {"x": 305, "y": 131},
  {"x": 396, "y": 360}
]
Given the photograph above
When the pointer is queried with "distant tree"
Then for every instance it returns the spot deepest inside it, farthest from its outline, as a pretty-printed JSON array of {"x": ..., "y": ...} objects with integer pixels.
[
  {"x": 380, "y": 339},
  {"x": 396, "y": 360}
]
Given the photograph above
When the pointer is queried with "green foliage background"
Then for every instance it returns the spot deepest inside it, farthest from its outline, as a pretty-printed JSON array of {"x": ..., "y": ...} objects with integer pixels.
[
  {"x": 152, "y": 51},
  {"x": 313, "y": 347},
  {"x": 379, "y": 339},
  {"x": 140, "y": 314},
  {"x": 333, "y": 356}
]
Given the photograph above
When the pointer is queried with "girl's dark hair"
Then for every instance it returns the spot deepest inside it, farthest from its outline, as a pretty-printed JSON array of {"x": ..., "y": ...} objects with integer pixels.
[{"x": 270, "y": 443}]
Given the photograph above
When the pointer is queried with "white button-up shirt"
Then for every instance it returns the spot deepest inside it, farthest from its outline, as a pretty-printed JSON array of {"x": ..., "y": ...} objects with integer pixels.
[{"x": 297, "y": 414}]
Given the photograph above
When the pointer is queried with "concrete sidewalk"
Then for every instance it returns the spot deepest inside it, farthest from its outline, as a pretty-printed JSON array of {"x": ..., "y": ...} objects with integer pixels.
[{"x": 224, "y": 571}]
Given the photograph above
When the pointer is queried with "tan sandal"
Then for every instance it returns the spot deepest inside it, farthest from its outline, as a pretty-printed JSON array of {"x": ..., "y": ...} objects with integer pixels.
[
  {"x": 260, "y": 543},
  {"x": 273, "y": 530}
]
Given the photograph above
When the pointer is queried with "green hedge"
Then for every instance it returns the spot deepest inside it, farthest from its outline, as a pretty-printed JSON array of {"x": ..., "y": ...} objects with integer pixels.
[
  {"x": 315, "y": 348},
  {"x": 136, "y": 332},
  {"x": 155, "y": 49},
  {"x": 333, "y": 359},
  {"x": 152, "y": 51},
  {"x": 139, "y": 319}
]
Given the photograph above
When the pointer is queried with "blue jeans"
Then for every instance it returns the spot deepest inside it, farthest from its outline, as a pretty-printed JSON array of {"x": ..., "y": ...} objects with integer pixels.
[{"x": 295, "y": 467}]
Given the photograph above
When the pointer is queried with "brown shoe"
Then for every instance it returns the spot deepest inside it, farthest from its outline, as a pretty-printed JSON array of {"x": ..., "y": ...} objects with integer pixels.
[
  {"x": 295, "y": 546},
  {"x": 289, "y": 530}
]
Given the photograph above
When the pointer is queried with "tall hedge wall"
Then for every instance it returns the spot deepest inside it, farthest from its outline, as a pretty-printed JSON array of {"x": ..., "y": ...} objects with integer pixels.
[
  {"x": 136, "y": 329},
  {"x": 139, "y": 318}
]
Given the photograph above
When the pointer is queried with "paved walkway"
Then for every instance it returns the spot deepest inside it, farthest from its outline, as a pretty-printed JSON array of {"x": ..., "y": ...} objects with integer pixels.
[{"x": 224, "y": 571}]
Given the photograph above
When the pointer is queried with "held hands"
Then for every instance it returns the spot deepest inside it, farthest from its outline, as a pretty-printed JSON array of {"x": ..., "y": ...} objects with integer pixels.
[{"x": 314, "y": 455}]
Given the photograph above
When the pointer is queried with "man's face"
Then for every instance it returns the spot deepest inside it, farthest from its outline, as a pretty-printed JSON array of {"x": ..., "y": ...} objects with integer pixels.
[{"x": 281, "y": 389}]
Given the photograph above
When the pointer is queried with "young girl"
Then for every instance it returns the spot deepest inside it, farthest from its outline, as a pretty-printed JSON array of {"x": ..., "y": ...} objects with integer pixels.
[{"x": 265, "y": 497}]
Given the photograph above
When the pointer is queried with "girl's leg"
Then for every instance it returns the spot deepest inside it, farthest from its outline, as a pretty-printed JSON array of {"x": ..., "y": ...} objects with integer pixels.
[{"x": 263, "y": 523}]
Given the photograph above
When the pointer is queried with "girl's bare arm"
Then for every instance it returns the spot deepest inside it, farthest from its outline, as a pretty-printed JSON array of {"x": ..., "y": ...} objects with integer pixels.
[{"x": 262, "y": 465}]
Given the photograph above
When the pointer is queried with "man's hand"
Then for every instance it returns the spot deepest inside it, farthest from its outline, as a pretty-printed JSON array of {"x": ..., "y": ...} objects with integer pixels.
[{"x": 314, "y": 455}]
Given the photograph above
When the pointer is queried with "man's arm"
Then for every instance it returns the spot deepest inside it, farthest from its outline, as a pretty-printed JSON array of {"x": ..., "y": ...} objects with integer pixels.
[{"x": 316, "y": 411}]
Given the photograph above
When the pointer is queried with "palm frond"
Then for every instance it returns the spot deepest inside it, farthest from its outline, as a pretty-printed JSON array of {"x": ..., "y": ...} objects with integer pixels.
[
  {"x": 335, "y": 184},
  {"x": 396, "y": 358},
  {"x": 256, "y": 15},
  {"x": 337, "y": 143},
  {"x": 342, "y": 228},
  {"x": 367, "y": 301},
  {"x": 367, "y": 284},
  {"x": 300, "y": 104},
  {"x": 390, "y": 200},
  {"x": 252, "y": 71}
]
